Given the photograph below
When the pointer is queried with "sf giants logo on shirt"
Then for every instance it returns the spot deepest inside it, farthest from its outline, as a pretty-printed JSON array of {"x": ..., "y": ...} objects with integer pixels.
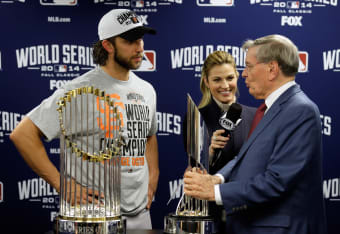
[
  {"x": 107, "y": 115},
  {"x": 148, "y": 62},
  {"x": 303, "y": 63}
]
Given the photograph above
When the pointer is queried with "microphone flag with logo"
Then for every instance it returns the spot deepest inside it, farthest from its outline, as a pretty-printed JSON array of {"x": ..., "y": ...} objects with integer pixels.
[{"x": 229, "y": 120}]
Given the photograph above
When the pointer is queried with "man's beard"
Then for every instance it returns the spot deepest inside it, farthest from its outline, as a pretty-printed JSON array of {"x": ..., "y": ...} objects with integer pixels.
[{"x": 128, "y": 65}]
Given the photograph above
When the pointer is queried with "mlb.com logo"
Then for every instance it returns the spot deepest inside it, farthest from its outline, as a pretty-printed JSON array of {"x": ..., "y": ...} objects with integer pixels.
[
  {"x": 1, "y": 192},
  {"x": 225, "y": 3},
  {"x": 303, "y": 63},
  {"x": 148, "y": 62}
]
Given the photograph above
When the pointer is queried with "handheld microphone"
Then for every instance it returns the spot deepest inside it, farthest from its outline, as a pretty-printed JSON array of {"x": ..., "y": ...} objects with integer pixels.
[{"x": 229, "y": 121}]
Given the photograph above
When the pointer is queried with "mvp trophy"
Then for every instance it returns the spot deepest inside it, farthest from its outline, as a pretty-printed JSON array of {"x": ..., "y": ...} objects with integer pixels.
[
  {"x": 192, "y": 215},
  {"x": 90, "y": 155}
]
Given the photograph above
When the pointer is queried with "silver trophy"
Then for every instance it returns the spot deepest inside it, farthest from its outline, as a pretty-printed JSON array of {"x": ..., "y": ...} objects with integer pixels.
[
  {"x": 192, "y": 215},
  {"x": 90, "y": 163}
]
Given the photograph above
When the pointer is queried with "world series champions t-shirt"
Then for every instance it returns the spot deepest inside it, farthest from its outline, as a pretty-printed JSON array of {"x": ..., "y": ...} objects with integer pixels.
[{"x": 136, "y": 100}]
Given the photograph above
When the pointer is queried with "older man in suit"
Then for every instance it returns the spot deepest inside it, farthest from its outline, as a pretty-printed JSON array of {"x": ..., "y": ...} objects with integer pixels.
[{"x": 274, "y": 185}]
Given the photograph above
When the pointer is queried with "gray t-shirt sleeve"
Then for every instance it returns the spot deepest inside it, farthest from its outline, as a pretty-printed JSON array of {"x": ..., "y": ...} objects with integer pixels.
[
  {"x": 153, "y": 128},
  {"x": 46, "y": 117}
]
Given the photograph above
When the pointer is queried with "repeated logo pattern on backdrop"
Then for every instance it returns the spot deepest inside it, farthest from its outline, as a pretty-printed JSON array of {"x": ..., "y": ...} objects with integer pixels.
[{"x": 52, "y": 45}]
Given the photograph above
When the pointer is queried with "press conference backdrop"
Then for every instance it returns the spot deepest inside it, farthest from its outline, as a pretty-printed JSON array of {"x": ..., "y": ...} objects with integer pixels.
[{"x": 46, "y": 43}]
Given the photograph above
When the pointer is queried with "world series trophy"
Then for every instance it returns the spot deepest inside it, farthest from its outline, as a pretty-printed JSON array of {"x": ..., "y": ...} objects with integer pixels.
[
  {"x": 192, "y": 215},
  {"x": 90, "y": 164}
]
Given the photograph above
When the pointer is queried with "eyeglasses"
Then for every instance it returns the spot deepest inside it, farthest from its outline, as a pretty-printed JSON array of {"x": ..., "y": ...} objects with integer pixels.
[{"x": 249, "y": 67}]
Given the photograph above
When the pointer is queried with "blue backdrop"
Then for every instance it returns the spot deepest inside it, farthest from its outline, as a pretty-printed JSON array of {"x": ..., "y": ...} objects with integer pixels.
[{"x": 46, "y": 43}]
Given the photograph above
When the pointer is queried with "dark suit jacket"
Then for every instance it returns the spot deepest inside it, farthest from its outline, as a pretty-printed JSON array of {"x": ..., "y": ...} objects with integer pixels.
[{"x": 275, "y": 185}]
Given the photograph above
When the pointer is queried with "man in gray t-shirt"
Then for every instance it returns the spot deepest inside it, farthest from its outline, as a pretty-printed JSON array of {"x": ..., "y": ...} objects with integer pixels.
[{"x": 119, "y": 50}]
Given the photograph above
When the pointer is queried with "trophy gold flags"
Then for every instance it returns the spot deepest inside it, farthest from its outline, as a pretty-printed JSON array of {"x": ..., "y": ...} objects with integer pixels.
[
  {"x": 192, "y": 215},
  {"x": 90, "y": 163}
]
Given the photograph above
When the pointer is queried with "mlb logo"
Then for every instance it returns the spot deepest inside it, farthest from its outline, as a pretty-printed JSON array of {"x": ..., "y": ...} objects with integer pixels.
[
  {"x": 1, "y": 192},
  {"x": 293, "y": 4},
  {"x": 60, "y": 68},
  {"x": 225, "y": 3},
  {"x": 137, "y": 3},
  {"x": 303, "y": 63},
  {"x": 148, "y": 62}
]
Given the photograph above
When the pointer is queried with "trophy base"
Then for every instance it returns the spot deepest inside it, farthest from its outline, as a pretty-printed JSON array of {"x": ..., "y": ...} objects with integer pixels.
[
  {"x": 66, "y": 225},
  {"x": 189, "y": 224}
]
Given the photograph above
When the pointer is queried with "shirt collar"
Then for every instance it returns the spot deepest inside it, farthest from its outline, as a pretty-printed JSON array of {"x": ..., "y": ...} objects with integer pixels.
[
  {"x": 277, "y": 93},
  {"x": 222, "y": 106}
]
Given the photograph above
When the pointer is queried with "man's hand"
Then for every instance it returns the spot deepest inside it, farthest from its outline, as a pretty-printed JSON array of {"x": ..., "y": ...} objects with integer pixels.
[
  {"x": 76, "y": 194},
  {"x": 151, "y": 193},
  {"x": 200, "y": 185}
]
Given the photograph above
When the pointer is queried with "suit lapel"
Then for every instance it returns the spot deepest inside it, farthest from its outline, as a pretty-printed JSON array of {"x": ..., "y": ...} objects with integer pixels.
[{"x": 267, "y": 118}]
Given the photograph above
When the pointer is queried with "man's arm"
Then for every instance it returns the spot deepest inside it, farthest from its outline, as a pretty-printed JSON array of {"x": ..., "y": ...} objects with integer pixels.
[
  {"x": 151, "y": 154},
  {"x": 27, "y": 139}
]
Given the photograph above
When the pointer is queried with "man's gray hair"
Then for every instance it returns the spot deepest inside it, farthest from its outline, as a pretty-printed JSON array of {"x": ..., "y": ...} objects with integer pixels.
[{"x": 276, "y": 48}]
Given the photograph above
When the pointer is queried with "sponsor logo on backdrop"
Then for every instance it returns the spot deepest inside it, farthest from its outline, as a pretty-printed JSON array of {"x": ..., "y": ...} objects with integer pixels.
[
  {"x": 289, "y": 9},
  {"x": 1, "y": 192},
  {"x": 191, "y": 58},
  {"x": 59, "y": 2},
  {"x": 141, "y": 5},
  {"x": 39, "y": 192},
  {"x": 215, "y": 3},
  {"x": 291, "y": 20},
  {"x": 303, "y": 63},
  {"x": 55, "y": 62},
  {"x": 176, "y": 188},
  {"x": 214, "y": 20},
  {"x": 326, "y": 125},
  {"x": 148, "y": 62},
  {"x": 331, "y": 189},
  {"x": 12, "y": 1},
  {"x": 331, "y": 60},
  {"x": 168, "y": 123},
  {"x": 58, "y": 19},
  {"x": 8, "y": 121}
]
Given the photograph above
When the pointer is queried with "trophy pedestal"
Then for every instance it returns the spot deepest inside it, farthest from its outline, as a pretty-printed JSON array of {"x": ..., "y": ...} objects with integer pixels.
[
  {"x": 189, "y": 224},
  {"x": 63, "y": 225}
]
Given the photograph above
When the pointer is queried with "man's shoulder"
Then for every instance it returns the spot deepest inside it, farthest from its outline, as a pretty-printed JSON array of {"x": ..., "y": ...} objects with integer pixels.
[
  {"x": 139, "y": 81},
  {"x": 83, "y": 80}
]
